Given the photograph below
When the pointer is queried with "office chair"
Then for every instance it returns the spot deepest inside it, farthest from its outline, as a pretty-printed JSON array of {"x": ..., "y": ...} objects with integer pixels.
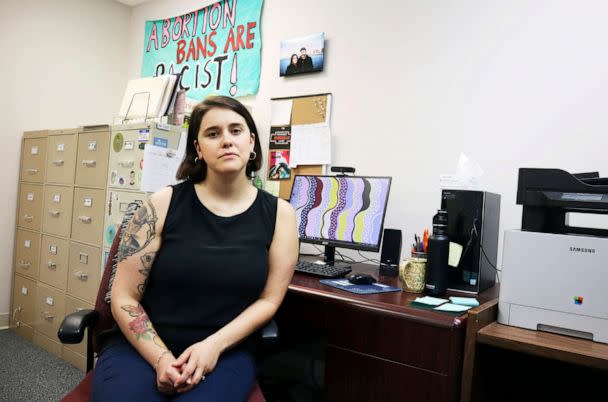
[{"x": 73, "y": 327}]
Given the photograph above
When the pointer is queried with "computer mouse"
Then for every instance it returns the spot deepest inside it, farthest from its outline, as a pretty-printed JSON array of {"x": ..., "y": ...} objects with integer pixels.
[{"x": 361, "y": 279}]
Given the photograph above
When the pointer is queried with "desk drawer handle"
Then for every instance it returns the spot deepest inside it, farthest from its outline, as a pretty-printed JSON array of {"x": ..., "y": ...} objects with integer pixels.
[
  {"x": 85, "y": 219},
  {"x": 126, "y": 164},
  {"x": 47, "y": 316},
  {"x": 54, "y": 213},
  {"x": 83, "y": 276},
  {"x": 25, "y": 264},
  {"x": 52, "y": 265},
  {"x": 28, "y": 218},
  {"x": 58, "y": 162},
  {"x": 89, "y": 163},
  {"x": 31, "y": 171}
]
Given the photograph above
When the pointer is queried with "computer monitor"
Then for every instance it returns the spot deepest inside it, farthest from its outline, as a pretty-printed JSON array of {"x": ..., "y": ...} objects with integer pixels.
[{"x": 340, "y": 211}]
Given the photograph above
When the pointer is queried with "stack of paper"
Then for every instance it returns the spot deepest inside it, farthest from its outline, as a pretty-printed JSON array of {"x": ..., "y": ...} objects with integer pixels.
[{"x": 147, "y": 98}]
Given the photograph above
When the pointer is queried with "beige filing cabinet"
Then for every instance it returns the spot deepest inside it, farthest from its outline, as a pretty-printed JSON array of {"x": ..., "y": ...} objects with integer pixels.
[
  {"x": 59, "y": 233},
  {"x": 26, "y": 256},
  {"x": 127, "y": 151}
]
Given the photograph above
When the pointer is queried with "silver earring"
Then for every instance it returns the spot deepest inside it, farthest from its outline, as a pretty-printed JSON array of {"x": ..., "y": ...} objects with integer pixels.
[
  {"x": 195, "y": 160},
  {"x": 252, "y": 155}
]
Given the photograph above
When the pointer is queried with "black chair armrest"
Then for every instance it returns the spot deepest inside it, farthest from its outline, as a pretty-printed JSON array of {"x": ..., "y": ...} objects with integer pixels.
[
  {"x": 269, "y": 334},
  {"x": 73, "y": 326}
]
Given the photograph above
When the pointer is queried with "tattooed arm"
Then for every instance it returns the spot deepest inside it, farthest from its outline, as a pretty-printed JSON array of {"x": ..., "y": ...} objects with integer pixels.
[{"x": 139, "y": 243}]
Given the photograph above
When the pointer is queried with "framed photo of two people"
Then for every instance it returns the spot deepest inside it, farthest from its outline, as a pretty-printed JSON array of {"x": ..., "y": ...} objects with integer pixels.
[{"x": 302, "y": 55}]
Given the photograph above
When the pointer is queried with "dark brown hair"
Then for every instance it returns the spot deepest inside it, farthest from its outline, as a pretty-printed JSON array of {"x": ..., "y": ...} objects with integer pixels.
[{"x": 196, "y": 171}]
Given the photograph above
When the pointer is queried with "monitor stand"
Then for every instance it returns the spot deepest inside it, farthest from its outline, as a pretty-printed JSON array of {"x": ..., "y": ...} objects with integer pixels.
[{"x": 330, "y": 255}]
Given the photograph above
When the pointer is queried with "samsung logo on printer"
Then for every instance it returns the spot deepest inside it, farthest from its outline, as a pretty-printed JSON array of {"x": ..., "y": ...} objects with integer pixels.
[{"x": 582, "y": 250}]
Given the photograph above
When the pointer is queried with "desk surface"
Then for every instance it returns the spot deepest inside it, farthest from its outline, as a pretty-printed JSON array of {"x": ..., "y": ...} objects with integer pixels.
[
  {"x": 559, "y": 347},
  {"x": 397, "y": 303}
]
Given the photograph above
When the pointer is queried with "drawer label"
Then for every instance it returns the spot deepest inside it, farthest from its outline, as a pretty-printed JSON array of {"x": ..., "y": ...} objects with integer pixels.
[
  {"x": 34, "y": 150},
  {"x": 60, "y": 147},
  {"x": 50, "y": 301},
  {"x": 30, "y": 196},
  {"x": 24, "y": 290},
  {"x": 27, "y": 244},
  {"x": 144, "y": 135},
  {"x": 57, "y": 198},
  {"x": 84, "y": 258},
  {"x": 92, "y": 145},
  {"x": 53, "y": 249},
  {"x": 88, "y": 202}
]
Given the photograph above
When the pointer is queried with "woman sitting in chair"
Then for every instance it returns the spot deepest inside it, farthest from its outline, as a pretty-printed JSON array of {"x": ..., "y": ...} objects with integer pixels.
[{"x": 201, "y": 266}]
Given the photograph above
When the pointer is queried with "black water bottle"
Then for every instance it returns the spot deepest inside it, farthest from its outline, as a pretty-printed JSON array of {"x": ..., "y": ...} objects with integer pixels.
[{"x": 438, "y": 250}]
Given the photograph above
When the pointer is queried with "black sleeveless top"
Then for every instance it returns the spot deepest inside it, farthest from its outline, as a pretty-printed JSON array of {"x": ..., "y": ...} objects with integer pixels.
[{"x": 208, "y": 269}]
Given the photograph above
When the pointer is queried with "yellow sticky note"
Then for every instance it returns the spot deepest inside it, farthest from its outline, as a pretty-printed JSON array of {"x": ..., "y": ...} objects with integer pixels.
[{"x": 455, "y": 253}]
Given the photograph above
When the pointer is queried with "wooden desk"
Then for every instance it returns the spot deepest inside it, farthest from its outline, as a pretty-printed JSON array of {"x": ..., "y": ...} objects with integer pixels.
[
  {"x": 379, "y": 348},
  {"x": 576, "y": 368}
]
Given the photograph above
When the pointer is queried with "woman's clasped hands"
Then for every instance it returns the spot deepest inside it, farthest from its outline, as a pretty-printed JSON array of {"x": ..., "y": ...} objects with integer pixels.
[{"x": 189, "y": 369}]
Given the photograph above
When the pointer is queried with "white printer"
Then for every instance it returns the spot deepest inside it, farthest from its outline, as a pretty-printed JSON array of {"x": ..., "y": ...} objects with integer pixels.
[{"x": 554, "y": 276}]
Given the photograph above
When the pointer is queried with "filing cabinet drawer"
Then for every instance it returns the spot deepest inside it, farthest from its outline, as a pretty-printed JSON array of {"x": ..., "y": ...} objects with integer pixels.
[
  {"x": 30, "y": 206},
  {"x": 127, "y": 152},
  {"x": 24, "y": 331},
  {"x": 84, "y": 272},
  {"x": 50, "y": 310},
  {"x": 61, "y": 160},
  {"x": 87, "y": 220},
  {"x": 54, "y": 256},
  {"x": 116, "y": 207},
  {"x": 57, "y": 212},
  {"x": 24, "y": 301},
  {"x": 50, "y": 345},
  {"x": 93, "y": 151},
  {"x": 27, "y": 251},
  {"x": 33, "y": 159},
  {"x": 73, "y": 305},
  {"x": 75, "y": 359}
]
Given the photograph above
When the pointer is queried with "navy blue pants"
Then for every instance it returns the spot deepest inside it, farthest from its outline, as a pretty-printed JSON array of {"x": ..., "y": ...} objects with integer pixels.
[{"x": 121, "y": 374}]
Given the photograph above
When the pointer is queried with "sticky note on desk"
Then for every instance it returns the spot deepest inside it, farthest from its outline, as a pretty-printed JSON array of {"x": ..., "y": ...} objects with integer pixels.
[
  {"x": 452, "y": 307},
  {"x": 464, "y": 301},
  {"x": 430, "y": 301}
]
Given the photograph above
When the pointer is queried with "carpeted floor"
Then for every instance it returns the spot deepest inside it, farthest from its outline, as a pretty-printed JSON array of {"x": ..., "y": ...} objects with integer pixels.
[{"x": 29, "y": 373}]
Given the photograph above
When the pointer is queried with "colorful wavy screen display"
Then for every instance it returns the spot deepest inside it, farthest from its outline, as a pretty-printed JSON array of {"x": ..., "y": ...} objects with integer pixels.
[{"x": 340, "y": 209}]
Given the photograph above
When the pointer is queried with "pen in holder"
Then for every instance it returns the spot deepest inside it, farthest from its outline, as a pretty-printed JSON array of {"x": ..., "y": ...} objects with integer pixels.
[{"x": 412, "y": 272}]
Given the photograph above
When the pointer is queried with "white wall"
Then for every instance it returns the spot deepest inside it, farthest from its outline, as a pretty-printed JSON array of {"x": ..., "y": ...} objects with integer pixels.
[
  {"x": 63, "y": 65},
  {"x": 415, "y": 82}
]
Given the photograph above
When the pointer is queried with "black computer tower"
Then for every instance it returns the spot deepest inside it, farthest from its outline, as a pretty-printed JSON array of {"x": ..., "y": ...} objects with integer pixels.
[{"x": 473, "y": 219}]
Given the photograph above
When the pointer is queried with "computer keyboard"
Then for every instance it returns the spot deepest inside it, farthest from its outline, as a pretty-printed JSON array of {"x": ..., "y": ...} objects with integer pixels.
[{"x": 323, "y": 270}]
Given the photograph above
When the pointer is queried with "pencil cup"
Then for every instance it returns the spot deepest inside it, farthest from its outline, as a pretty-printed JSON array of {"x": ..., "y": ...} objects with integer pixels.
[{"x": 412, "y": 271}]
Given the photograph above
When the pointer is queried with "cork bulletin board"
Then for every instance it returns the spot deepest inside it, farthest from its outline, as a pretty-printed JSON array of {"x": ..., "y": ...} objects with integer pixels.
[{"x": 305, "y": 111}]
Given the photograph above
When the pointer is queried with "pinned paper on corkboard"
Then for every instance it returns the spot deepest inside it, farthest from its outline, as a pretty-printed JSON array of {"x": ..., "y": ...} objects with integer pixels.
[{"x": 310, "y": 112}]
